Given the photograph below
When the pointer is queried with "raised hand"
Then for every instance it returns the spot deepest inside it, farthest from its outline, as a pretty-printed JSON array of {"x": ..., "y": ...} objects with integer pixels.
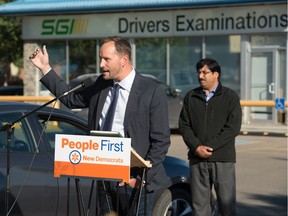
[{"x": 40, "y": 59}]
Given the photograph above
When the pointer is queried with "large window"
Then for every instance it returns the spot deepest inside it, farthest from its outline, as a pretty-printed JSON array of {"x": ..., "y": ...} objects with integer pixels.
[
  {"x": 57, "y": 56},
  {"x": 151, "y": 56},
  {"x": 57, "y": 60},
  {"x": 184, "y": 53},
  {"x": 82, "y": 57},
  {"x": 71, "y": 58},
  {"x": 226, "y": 51},
  {"x": 172, "y": 60}
]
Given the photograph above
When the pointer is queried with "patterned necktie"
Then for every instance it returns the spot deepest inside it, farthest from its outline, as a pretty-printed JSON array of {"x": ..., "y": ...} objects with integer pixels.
[{"x": 109, "y": 117}]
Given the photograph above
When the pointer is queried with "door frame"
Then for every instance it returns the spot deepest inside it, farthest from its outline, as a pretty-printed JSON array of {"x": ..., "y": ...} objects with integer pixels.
[{"x": 273, "y": 86}]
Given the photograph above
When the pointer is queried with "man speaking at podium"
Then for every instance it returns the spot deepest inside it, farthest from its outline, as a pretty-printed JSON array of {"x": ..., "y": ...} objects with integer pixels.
[{"x": 140, "y": 113}]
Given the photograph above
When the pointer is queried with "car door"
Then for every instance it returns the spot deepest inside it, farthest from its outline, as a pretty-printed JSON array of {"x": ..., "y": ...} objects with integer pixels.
[
  {"x": 33, "y": 187},
  {"x": 175, "y": 102},
  {"x": 23, "y": 168}
]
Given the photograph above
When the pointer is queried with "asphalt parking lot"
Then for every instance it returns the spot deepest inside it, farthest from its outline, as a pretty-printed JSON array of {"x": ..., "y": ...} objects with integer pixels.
[{"x": 261, "y": 172}]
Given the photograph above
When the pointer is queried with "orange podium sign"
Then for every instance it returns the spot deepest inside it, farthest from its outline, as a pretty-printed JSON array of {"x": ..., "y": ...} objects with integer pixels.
[{"x": 92, "y": 156}]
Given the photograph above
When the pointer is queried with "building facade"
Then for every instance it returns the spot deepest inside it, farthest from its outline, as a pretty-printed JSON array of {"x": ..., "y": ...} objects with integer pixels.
[{"x": 247, "y": 38}]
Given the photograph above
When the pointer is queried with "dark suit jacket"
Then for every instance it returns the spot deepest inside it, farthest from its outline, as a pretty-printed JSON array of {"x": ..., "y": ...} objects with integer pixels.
[{"x": 146, "y": 117}]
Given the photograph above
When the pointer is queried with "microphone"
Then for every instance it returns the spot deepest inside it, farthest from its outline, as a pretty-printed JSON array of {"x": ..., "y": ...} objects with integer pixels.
[{"x": 84, "y": 83}]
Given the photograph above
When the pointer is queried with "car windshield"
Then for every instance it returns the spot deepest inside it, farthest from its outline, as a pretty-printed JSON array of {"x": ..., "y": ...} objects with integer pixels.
[
  {"x": 19, "y": 140},
  {"x": 59, "y": 126}
]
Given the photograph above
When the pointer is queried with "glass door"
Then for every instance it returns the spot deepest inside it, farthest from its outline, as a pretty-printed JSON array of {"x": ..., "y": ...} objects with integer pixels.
[
  {"x": 265, "y": 82},
  {"x": 262, "y": 83}
]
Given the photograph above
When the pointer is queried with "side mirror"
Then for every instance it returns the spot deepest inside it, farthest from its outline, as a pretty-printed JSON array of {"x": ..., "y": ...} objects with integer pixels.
[{"x": 175, "y": 92}]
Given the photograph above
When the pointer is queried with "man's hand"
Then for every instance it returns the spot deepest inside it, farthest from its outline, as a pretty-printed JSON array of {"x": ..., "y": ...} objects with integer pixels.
[
  {"x": 204, "y": 151},
  {"x": 133, "y": 183},
  {"x": 41, "y": 59}
]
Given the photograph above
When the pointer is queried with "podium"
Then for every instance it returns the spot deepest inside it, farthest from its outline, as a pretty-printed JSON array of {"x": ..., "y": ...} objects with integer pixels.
[
  {"x": 92, "y": 156},
  {"x": 138, "y": 161}
]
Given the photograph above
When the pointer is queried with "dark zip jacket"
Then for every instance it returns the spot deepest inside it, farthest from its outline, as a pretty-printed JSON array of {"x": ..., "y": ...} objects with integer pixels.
[{"x": 215, "y": 123}]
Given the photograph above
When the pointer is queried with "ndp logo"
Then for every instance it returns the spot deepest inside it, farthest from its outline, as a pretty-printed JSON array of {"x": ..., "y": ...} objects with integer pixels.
[
  {"x": 75, "y": 157},
  {"x": 64, "y": 26}
]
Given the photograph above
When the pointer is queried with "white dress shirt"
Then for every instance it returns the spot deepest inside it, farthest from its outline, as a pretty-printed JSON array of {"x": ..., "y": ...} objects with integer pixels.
[{"x": 124, "y": 91}]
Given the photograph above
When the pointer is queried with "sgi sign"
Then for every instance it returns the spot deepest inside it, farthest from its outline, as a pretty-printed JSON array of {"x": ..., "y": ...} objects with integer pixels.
[{"x": 64, "y": 26}]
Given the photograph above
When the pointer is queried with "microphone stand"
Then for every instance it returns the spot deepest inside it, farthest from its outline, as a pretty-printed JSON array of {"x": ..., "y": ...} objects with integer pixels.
[{"x": 8, "y": 127}]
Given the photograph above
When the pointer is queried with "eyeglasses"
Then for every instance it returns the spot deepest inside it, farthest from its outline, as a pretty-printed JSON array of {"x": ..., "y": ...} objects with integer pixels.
[{"x": 203, "y": 72}]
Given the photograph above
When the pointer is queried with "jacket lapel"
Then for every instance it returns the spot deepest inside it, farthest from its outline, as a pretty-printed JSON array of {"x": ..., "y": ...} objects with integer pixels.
[{"x": 132, "y": 101}]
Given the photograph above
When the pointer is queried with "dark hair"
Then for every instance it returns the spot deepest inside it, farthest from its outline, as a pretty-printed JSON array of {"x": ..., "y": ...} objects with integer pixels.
[
  {"x": 211, "y": 64},
  {"x": 121, "y": 44}
]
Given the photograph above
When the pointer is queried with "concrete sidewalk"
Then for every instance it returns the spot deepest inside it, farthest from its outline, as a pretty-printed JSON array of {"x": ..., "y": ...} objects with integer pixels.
[
  {"x": 262, "y": 128},
  {"x": 261, "y": 172}
]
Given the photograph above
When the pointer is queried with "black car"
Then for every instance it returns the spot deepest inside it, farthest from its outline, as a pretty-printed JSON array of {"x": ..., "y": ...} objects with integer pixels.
[
  {"x": 27, "y": 169},
  {"x": 11, "y": 90},
  {"x": 175, "y": 100}
]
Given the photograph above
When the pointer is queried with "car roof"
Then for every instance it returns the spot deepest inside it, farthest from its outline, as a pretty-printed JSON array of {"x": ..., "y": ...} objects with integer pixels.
[
  {"x": 76, "y": 81},
  {"x": 19, "y": 105},
  {"x": 11, "y": 90}
]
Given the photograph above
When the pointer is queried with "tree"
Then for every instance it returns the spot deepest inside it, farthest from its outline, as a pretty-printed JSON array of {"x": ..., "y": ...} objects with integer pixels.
[{"x": 11, "y": 45}]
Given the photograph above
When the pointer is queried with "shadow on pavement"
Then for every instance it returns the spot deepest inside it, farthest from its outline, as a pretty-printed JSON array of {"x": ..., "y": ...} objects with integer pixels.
[{"x": 275, "y": 205}]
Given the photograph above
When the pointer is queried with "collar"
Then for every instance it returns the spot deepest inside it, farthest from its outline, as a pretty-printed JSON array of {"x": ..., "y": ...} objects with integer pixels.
[
  {"x": 213, "y": 91},
  {"x": 127, "y": 82}
]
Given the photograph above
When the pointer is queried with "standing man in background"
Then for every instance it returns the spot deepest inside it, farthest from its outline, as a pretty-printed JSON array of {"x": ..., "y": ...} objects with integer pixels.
[
  {"x": 209, "y": 122},
  {"x": 141, "y": 114}
]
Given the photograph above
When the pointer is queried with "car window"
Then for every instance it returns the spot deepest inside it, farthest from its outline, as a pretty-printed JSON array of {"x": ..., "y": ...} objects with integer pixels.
[
  {"x": 19, "y": 138},
  {"x": 182, "y": 79},
  {"x": 60, "y": 126}
]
